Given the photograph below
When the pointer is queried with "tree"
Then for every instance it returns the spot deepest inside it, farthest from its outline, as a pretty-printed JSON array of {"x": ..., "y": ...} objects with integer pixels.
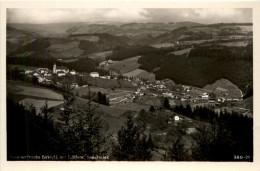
[
  {"x": 46, "y": 113},
  {"x": 102, "y": 99},
  {"x": 67, "y": 116},
  {"x": 34, "y": 80},
  {"x": 152, "y": 109},
  {"x": 35, "y": 134},
  {"x": 166, "y": 104},
  {"x": 88, "y": 130},
  {"x": 82, "y": 128},
  {"x": 132, "y": 144},
  {"x": 177, "y": 152},
  {"x": 150, "y": 142}
]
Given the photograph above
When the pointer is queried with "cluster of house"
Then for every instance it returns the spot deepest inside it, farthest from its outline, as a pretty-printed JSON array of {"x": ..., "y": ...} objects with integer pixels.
[
  {"x": 159, "y": 85},
  {"x": 105, "y": 63},
  {"x": 45, "y": 75}
]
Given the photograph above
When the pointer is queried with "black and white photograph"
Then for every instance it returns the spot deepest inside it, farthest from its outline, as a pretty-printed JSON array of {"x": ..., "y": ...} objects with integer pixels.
[{"x": 129, "y": 84}]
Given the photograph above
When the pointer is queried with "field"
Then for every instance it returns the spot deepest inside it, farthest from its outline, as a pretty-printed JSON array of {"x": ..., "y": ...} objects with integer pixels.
[
  {"x": 146, "y": 75},
  {"x": 21, "y": 67},
  {"x": 124, "y": 66},
  {"x": 69, "y": 60},
  {"x": 181, "y": 52},
  {"x": 28, "y": 94},
  {"x": 133, "y": 73},
  {"x": 24, "y": 54},
  {"x": 237, "y": 44},
  {"x": 100, "y": 56},
  {"x": 61, "y": 46},
  {"x": 39, "y": 92},
  {"x": 90, "y": 38},
  {"x": 149, "y": 100},
  {"x": 74, "y": 52},
  {"x": 163, "y": 45},
  {"x": 39, "y": 103},
  {"x": 133, "y": 106},
  {"x": 84, "y": 90}
]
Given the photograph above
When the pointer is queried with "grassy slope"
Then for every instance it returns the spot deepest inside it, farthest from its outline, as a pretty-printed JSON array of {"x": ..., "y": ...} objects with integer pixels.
[{"x": 125, "y": 66}]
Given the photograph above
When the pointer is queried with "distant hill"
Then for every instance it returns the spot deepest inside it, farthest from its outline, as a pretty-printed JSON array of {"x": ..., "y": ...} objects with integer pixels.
[
  {"x": 224, "y": 85},
  {"x": 188, "y": 24},
  {"x": 45, "y": 29},
  {"x": 36, "y": 47},
  {"x": 215, "y": 51},
  {"x": 18, "y": 33},
  {"x": 17, "y": 38}
]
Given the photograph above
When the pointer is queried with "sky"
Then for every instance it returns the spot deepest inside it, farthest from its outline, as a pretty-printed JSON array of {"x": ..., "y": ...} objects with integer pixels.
[{"x": 201, "y": 15}]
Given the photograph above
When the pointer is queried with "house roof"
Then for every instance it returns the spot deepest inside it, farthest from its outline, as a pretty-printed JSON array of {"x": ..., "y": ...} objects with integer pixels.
[
  {"x": 94, "y": 73},
  {"x": 61, "y": 67}
]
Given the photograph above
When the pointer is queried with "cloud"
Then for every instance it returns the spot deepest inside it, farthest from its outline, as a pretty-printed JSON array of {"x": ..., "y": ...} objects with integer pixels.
[
  {"x": 220, "y": 12},
  {"x": 202, "y": 15},
  {"x": 126, "y": 14},
  {"x": 74, "y": 15}
]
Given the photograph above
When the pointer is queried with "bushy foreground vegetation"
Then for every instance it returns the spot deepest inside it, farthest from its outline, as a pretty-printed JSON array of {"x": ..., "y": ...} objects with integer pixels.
[{"x": 79, "y": 133}]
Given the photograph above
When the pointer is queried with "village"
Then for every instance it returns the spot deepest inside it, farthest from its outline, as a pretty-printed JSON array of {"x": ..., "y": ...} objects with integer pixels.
[{"x": 176, "y": 93}]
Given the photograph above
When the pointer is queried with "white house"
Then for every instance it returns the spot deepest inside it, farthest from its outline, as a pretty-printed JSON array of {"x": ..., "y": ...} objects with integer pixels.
[
  {"x": 35, "y": 74},
  {"x": 94, "y": 74},
  {"x": 176, "y": 118},
  {"x": 167, "y": 94},
  {"x": 61, "y": 73},
  {"x": 205, "y": 96},
  {"x": 28, "y": 71},
  {"x": 73, "y": 72}
]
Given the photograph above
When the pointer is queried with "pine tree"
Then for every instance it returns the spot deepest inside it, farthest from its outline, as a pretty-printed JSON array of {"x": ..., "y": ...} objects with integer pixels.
[
  {"x": 132, "y": 144},
  {"x": 150, "y": 142},
  {"x": 152, "y": 109},
  {"x": 89, "y": 137},
  {"x": 166, "y": 104},
  {"x": 48, "y": 117},
  {"x": 67, "y": 116},
  {"x": 177, "y": 152}
]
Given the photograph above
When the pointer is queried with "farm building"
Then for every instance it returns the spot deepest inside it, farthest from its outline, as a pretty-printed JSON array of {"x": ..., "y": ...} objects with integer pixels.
[
  {"x": 205, "y": 96},
  {"x": 42, "y": 70},
  {"x": 74, "y": 85},
  {"x": 94, "y": 74},
  {"x": 28, "y": 71},
  {"x": 176, "y": 118},
  {"x": 35, "y": 74},
  {"x": 73, "y": 72},
  {"x": 61, "y": 73}
]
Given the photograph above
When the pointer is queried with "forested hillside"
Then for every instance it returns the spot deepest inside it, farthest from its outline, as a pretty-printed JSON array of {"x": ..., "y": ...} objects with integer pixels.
[{"x": 204, "y": 65}]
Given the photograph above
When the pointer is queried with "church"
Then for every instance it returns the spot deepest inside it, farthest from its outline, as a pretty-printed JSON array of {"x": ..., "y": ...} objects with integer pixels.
[{"x": 59, "y": 69}]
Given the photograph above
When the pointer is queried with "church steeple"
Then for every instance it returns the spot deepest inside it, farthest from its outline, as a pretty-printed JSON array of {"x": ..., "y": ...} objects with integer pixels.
[{"x": 54, "y": 68}]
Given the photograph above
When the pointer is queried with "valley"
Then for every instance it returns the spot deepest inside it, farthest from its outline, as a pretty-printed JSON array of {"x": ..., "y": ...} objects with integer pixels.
[{"x": 176, "y": 80}]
